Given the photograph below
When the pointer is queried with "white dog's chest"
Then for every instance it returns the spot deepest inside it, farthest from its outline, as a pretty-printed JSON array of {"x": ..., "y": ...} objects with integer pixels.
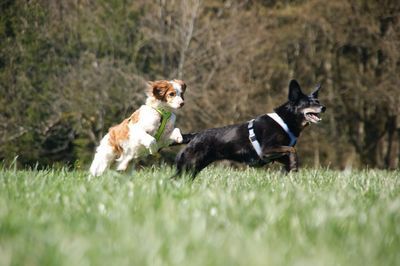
[{"x": 149, "y": 123}]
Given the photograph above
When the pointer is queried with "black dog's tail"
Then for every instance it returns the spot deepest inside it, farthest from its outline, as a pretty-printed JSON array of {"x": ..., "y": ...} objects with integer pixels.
[{"x": 186, "y": 139}]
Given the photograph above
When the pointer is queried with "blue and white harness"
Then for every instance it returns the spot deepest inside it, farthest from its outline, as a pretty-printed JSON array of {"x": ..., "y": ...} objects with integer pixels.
[{"x": 277, "y": 119}]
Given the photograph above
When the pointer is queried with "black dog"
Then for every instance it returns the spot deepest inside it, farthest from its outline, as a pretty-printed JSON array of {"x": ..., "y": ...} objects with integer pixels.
[{"x": 267, "y": 138}]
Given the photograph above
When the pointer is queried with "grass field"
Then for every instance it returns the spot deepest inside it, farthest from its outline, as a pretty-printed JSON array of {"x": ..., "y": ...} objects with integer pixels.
[{"x": 224, "y": 217}]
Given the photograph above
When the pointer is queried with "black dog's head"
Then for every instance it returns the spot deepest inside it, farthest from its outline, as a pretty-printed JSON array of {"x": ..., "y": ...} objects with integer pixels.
[{"x": 306, "y": 107}]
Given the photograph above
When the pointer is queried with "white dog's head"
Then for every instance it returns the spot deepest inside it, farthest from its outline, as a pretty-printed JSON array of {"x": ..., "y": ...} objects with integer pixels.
[{"x": 167, "y": 93}]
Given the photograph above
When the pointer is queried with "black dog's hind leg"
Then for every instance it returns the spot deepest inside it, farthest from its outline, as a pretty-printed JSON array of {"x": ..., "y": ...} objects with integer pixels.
[
  {"x": 286, "y": 161},
  {"x": 286, "y": 155}
]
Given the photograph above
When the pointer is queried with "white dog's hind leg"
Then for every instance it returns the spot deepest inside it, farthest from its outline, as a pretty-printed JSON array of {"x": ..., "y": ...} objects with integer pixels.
[{"x": 103, "y": 157}]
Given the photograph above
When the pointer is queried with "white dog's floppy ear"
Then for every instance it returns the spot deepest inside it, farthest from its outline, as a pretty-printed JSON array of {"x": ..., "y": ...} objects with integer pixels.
[
  {"x": 314, "y": 94},
  {"x": 158, "y": 88},
  {"x": 158, "y": 92},
  {"x": 295, "y": 92}
]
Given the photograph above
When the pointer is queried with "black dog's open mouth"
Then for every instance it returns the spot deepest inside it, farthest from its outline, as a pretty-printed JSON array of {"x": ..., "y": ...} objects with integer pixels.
[{"x": 312, "y": 117}]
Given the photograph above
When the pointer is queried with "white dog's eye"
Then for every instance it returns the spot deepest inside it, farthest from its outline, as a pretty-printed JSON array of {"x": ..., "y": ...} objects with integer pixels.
[{"x": 171, "y": 94}]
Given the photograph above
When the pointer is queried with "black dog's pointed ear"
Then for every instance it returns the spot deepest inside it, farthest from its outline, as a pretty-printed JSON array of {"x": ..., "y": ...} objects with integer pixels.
[
  {"x": 314, "y": 94},
  {"x": 294, "y": 91}
]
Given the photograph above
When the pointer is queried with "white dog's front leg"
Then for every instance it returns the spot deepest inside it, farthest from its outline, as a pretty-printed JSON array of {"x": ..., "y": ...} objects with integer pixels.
[
  {"x": 176, "y": 136},
  {"x": 150, "y": 143}
]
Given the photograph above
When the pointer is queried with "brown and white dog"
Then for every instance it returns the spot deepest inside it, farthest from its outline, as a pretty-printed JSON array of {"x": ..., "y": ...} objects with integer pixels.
[{"x": 135, "y": 136}]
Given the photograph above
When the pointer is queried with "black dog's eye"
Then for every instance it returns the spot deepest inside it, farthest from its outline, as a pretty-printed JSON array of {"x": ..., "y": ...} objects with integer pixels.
[{"x": 313, "y": 100}]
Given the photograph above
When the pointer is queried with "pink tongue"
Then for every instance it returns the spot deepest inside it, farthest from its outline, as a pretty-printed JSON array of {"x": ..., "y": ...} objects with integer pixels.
[{"x": 315, "y": 117}]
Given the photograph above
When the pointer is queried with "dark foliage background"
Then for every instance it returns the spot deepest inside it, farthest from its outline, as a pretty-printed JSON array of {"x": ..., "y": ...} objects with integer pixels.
[{"x": 71, "y": 69}]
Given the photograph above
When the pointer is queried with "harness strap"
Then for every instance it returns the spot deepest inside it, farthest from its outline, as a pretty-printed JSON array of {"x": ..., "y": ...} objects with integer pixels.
[
  {"x": 165, "y": 115},
  {"x": 285, "y": 127},
  {"x": 253, "y": 139}
]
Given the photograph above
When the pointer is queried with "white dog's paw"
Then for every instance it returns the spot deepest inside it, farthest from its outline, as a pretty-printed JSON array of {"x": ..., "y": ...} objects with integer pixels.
[
  {"x": 177, "y": 136},
  {"x": 179, "y": 139}
]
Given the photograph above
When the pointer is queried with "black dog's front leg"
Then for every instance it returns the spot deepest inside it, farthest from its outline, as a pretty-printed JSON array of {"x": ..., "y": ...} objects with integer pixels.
[
  {"x": 286, "y": 161},
  {"x": 286, "y": 155}
]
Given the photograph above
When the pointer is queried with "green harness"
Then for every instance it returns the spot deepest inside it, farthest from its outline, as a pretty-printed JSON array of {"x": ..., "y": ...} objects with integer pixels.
[{"x": 165, "y": 115}]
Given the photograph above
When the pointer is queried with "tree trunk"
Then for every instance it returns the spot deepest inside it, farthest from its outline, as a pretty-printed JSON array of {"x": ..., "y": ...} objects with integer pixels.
[{"x": 392, "y": 156}]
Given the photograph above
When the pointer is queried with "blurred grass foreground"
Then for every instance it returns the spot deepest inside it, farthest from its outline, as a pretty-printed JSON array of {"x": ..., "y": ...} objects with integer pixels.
[{"x": 224, "y": 217}]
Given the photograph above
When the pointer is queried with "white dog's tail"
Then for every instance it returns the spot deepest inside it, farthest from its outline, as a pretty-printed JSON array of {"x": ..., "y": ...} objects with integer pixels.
[{"x": 103, "y": 158}]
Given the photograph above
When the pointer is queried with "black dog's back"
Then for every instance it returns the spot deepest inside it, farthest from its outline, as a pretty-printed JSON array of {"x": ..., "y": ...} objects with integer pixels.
[{"x": 229, "y": 143}]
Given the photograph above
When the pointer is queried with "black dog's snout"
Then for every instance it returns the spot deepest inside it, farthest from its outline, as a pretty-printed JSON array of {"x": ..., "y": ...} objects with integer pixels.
[{"x": 323, "y": 109}]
